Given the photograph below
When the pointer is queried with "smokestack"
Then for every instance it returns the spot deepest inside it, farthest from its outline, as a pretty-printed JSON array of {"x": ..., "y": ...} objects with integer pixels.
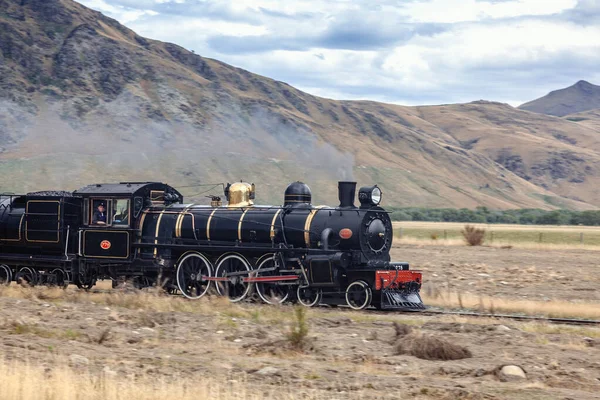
[{"x": 346, "y": 192}]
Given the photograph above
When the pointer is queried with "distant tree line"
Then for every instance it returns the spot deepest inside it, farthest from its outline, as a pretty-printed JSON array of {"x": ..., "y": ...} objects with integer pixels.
[{"x": 529, "y": 216}]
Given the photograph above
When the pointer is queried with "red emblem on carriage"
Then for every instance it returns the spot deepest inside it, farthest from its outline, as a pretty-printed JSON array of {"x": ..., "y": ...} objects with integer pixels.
[{"x": 105, "y": 244}]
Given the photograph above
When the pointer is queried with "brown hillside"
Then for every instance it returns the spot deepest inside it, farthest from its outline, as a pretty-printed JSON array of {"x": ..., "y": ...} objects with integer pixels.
[
  {"x": 590, "y": 118},
  {"x": 84, "y": 99}
]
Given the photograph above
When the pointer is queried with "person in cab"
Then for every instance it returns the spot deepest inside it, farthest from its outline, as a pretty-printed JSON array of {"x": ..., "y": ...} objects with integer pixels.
[{"x": 99, "y": 217}]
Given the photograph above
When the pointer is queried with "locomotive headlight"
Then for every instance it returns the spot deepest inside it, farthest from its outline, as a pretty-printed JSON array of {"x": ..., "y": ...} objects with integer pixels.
[
  {"x": 369, "y": 196},
  {"x": 376, "y": 195}
]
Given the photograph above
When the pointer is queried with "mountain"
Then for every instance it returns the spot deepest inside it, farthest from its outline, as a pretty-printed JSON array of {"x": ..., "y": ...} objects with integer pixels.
[
  {"x": 582, "y": 96},
  {"x": 84, "y": 99}
]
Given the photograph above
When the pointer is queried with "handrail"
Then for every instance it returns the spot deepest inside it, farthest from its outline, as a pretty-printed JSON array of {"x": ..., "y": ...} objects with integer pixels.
[{"x": 67, "y": 241}]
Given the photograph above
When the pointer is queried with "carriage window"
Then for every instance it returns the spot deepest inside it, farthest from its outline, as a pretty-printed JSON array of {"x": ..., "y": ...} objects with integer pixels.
[
  {"x": 121, "y": 212},
  {"x": 99, "y": 213}
]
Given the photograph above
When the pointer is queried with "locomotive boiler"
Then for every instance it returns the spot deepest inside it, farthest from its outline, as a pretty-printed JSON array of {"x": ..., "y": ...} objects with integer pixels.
[{"x": 294, "y": 252}]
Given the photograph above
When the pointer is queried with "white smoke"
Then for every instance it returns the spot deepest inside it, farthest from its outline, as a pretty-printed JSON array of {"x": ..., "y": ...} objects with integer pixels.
[{"x": 54, "y": 148}]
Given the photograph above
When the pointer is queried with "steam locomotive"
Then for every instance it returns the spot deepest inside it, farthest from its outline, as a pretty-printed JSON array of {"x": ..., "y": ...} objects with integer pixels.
[{"x": 295, "y": 252}]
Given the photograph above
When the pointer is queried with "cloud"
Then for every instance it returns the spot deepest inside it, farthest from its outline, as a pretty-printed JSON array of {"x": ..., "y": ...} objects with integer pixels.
[{"x": 410, "y": 52}]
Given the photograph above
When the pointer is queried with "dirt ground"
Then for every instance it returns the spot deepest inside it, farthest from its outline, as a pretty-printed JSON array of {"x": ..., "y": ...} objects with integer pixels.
[
  {"x": 347, "y": 354},
  {"x": 572, "y": 275}
]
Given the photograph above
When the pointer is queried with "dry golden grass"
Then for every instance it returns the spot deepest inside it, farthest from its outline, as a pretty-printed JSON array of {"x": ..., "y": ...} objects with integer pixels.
[
  {"x": 24, "y": 381},
  {"x": 497, "y": 244},
  {"x": 496, "y": 227},
  {"x": 545, "y": 328},
  {"x": 539, "y": 237},
  {"x": 156, "y": 300},
  {"x": 152, "y": 299},
  {"x": 553, "y": 308}
]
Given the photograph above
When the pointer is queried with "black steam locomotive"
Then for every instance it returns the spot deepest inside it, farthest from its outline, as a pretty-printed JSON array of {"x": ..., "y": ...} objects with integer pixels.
[{"x": 144, "y": 232}]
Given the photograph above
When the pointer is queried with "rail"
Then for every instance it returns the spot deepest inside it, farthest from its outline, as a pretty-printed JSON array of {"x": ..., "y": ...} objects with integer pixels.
[{"x": 554, "y": 320}]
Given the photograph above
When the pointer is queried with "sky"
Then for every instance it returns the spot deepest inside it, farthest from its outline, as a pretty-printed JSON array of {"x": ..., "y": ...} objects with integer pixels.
[{"x": 398, "y": 51}]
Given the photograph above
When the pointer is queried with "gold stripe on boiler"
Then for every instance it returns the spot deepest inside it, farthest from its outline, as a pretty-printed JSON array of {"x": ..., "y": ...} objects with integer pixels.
[
  {"x": 208, "y": 224},
  {"x": 180, "y": 217},
  {"x": 272, "y": 232},
  {"x": 309, "y": 219},
  {"x": 156, "y": 232},
  {"x": 240, "y": 224}
]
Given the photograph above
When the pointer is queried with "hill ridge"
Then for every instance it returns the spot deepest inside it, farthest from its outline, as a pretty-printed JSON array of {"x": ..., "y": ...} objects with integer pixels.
[
  {"x": 85, "y": 98},
  {"x": 581, "y": 96}
]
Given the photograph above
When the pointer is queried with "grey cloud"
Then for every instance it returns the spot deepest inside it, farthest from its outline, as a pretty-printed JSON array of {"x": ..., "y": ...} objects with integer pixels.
[
  {"x": 365, "y": 28},
  {"x": 494, "y": 80},
  {"x": 194, "y": 8},
  {"x": 359, "y": 33},
  {"x": 586, "y": 12},
  {"x": 350, "y": 35},
  {"x": 254, "y": 44},
  {"x": 279, "y": 14}
]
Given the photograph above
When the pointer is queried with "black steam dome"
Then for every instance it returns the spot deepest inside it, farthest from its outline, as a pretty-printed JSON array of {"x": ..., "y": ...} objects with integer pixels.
[{"x": 297, "y": 194}]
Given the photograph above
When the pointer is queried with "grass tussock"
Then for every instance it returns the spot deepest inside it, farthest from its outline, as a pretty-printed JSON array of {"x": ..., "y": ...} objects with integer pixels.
[
  {"x": 299, "y": 331},
  {"x": 23, "y": 381},
  {"x": 426, "y": 347},
  {"x": 473, "y": 235},
  {"x": 495, "y": 305}
]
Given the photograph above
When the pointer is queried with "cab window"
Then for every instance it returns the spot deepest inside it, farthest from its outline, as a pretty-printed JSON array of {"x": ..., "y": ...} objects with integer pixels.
[
  {"x": 120, "y": 209},
  {"x": 99, "y": 212}
]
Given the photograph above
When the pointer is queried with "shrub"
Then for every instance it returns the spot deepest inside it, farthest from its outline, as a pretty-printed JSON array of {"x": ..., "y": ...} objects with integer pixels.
[
  {"x": 299, "y": 331},
  {"x": 473, "y": 236},
  {"x": 426, "y": 347},
  {"x": 430, "y": 348}
]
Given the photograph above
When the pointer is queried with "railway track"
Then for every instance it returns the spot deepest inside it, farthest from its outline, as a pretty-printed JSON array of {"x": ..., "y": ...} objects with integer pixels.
[{"x": 565, "y": 321}]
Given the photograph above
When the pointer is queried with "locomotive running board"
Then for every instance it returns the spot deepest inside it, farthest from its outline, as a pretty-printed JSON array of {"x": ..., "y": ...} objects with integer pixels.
[{"x": 401, "y": 300}]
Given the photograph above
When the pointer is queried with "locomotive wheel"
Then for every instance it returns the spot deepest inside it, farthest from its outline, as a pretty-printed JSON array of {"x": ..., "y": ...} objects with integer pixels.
[
  {"x": 271, "y": 293},
  {"x": 27, "y": 276},
  {"x": 5, "y": 275},
  {"x": 61, "y": 278},
  {"x": 359, "y": 295},
  {"x": 190, "y": 270},
  {"x": 235, "y": 268},
  {"x": 308, "y": 296}
]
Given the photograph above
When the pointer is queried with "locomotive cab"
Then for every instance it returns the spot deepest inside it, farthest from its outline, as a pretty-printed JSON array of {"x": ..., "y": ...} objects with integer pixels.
[{"x": 111, "y": 213}]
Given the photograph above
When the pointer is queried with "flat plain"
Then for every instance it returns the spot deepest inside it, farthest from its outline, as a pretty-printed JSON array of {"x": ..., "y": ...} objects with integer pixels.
[
  {"x": 529, "y": 236},
  {"x": 145, "y": 345}
]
